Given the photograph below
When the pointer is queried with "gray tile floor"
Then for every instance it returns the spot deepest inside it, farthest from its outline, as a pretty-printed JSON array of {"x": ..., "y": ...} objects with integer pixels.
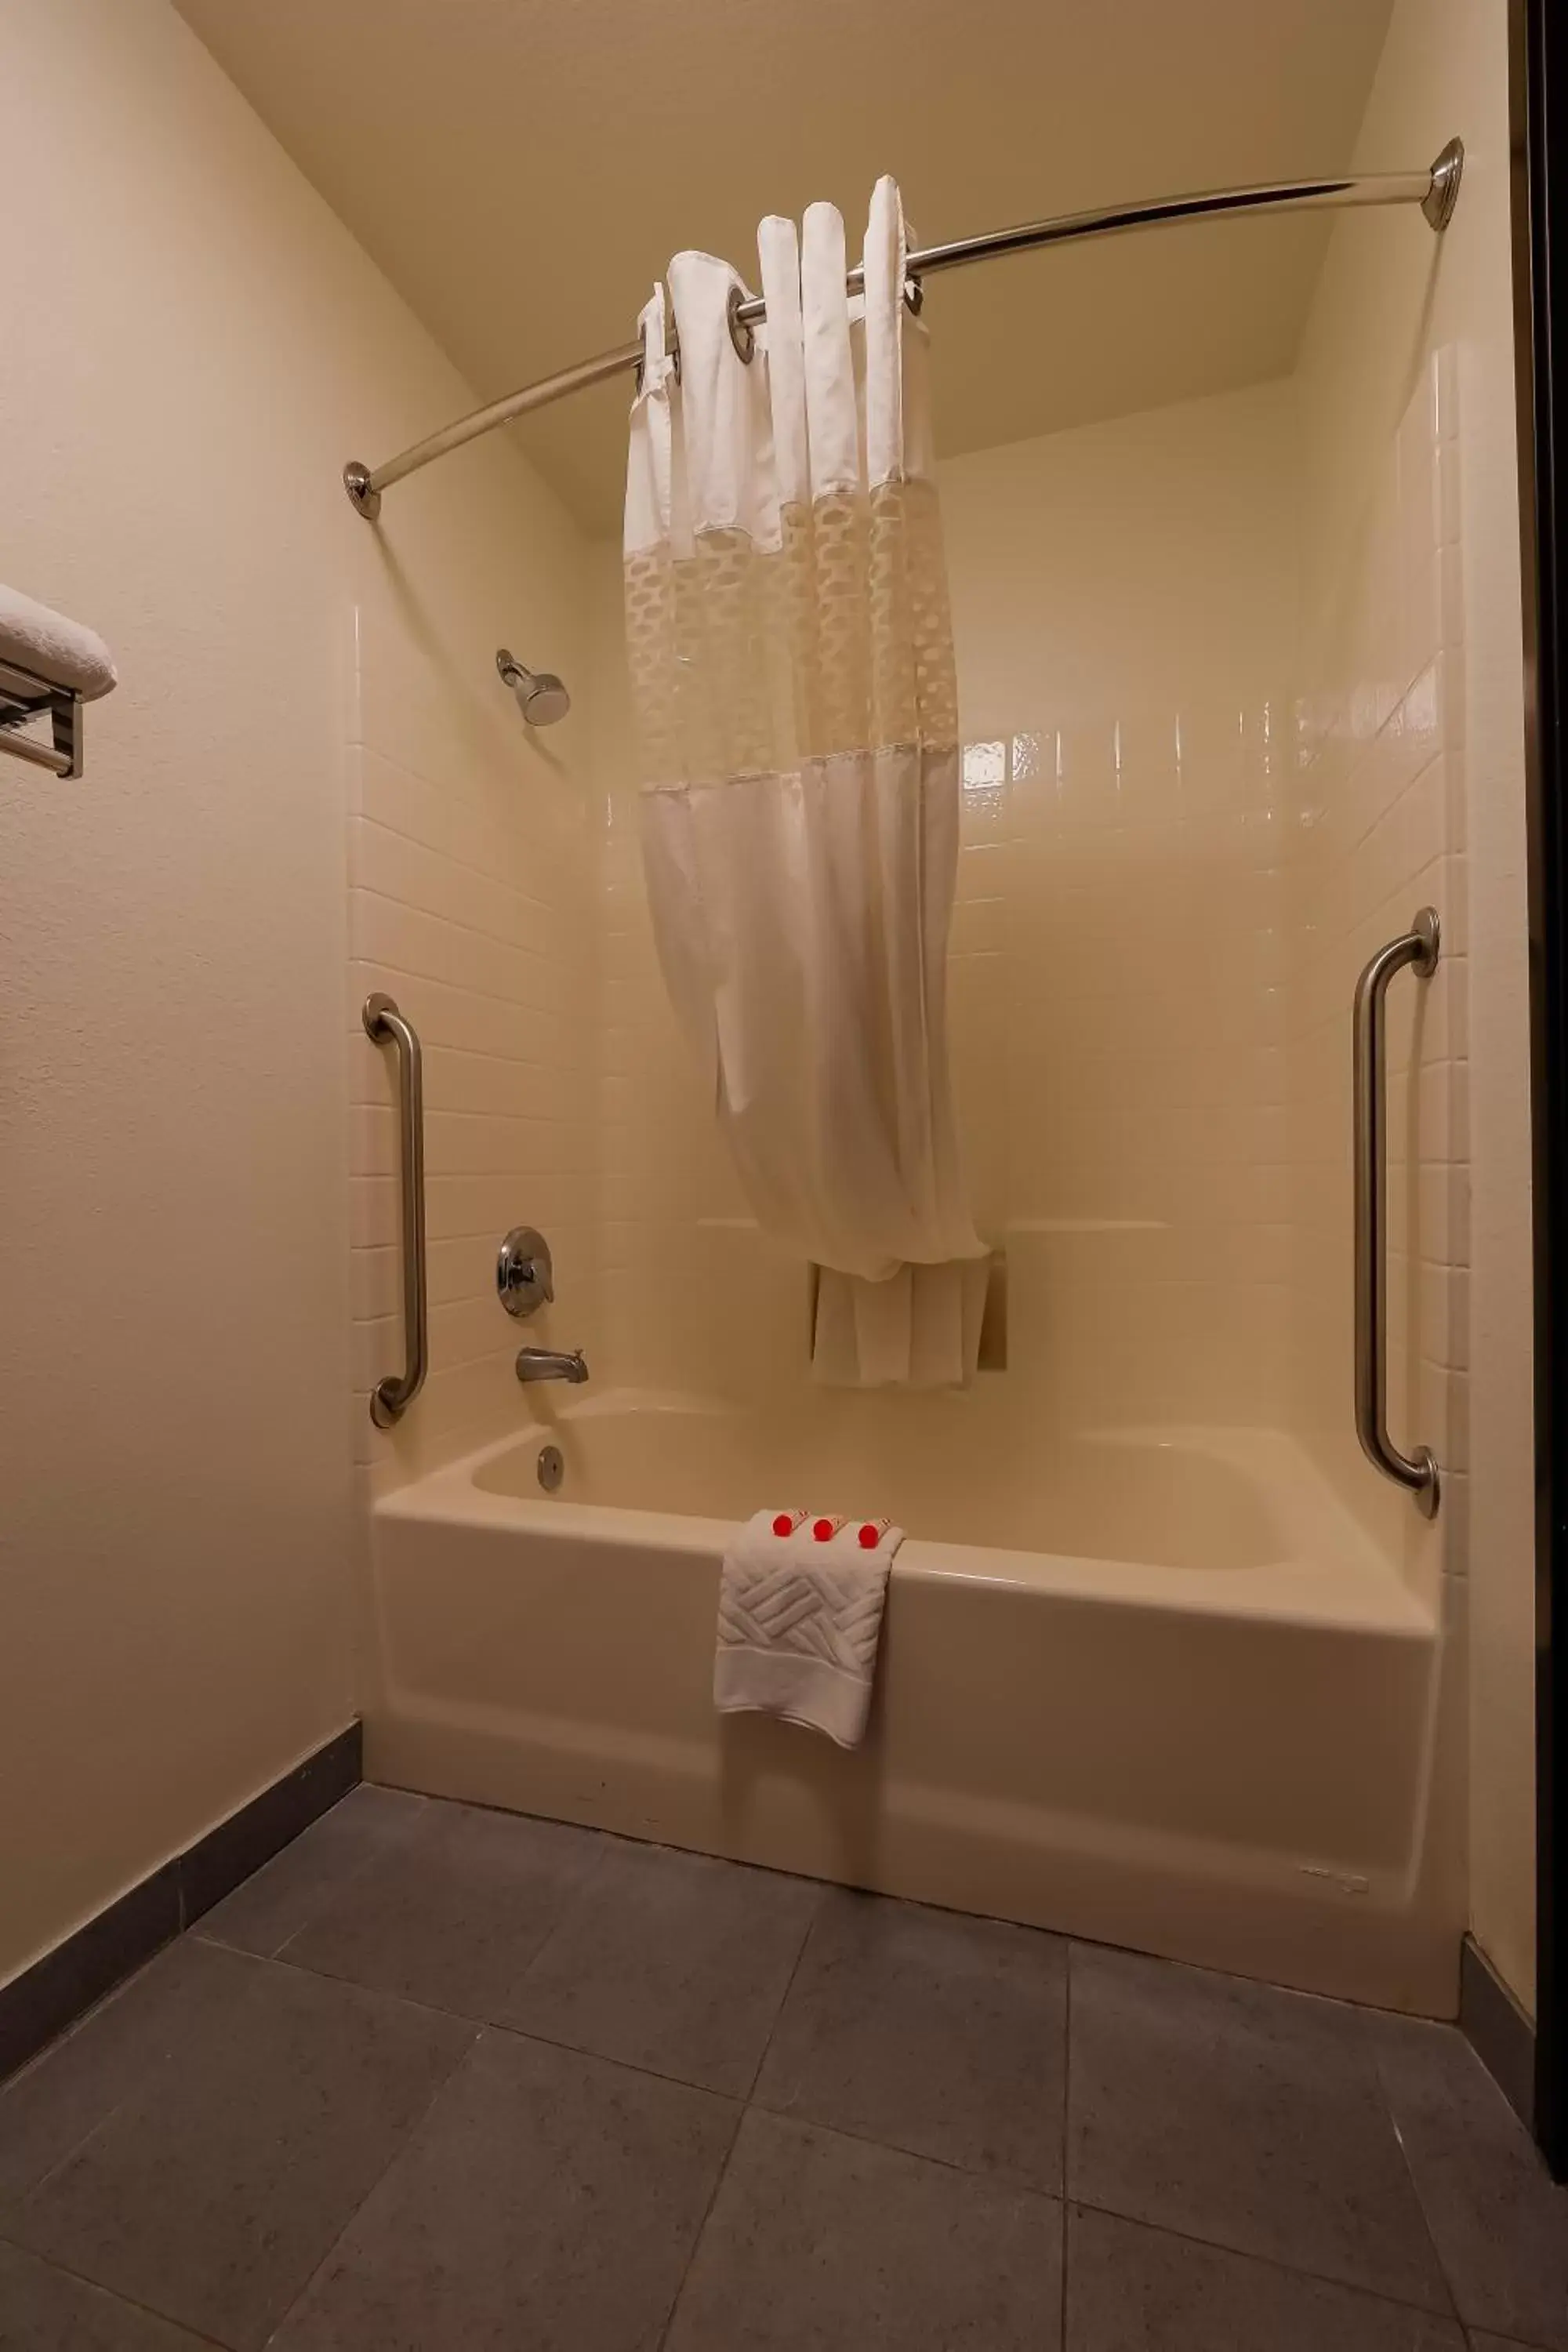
[{"x": 442, "y": 2080}]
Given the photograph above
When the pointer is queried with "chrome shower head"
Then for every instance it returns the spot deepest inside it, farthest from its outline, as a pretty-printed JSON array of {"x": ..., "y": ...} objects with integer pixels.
[{"x": 540, "y": 697}]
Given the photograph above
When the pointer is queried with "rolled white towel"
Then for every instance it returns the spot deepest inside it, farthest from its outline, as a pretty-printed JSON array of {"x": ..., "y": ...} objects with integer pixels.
[
  {"x": 62, "y": 651},
  {"x": 800, "y": 1617}
]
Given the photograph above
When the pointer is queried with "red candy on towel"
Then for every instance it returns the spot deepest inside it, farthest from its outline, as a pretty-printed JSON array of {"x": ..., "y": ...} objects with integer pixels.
[{"x": 868, "y": 1535}]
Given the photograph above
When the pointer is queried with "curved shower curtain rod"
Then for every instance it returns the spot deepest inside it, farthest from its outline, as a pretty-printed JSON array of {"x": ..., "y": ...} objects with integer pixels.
[{"x": 1436, "y": 190}]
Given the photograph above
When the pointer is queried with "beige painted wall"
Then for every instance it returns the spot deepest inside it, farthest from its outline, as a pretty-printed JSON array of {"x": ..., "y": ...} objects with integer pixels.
[
  {"x": 1390, "y": 296},
  {"x": 194, "y": 346}
]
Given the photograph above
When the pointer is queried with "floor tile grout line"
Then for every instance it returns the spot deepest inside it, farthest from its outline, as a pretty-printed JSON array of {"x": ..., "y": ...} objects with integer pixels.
[
  {"x": 1386, "y": 2101},
  {"x": 1269, "y": 2262},
  {"x": 600, "y": 1861},
  {"x": 351, "y": 1877},
  {"x": 1361, "y": 2013},
  {"x": 355, "y": 1984},
  {"x": 69, "y": 2031},
  {"x": 609, "y": 1840},
  {"x": 816, "y": 1911},
  {"x": 263, "y": 1961},
  {"x": 50, "y": 2050},
  {"x": 742, "y": 2111},
  {"x": 496, "y": 2025},
  {"x": 1012, "y": 2182},
  {"x": 745, "y": 2101},
  {"x": 368, "y": 1862},
  {"x": 59, "y": 2164},
  {"x": 1364, "y": 2012},
  {"x": 398, "y": 2153},
  {"x": 113, "y": 2295},
  {"x": 99, "y": 2122}
]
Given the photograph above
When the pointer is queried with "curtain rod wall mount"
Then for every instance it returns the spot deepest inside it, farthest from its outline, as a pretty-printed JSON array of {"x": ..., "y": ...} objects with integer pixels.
[
  {"x": 1436, "y": 190},
  {"x": 1440, "y": 198}
]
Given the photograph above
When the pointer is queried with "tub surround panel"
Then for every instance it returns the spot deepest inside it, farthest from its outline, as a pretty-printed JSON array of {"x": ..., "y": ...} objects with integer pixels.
[
  {"x": 1378, "y": 818},
  {"x": 1164, "y": 902},
  {"x": 1123, "y": 602},
  {"x": 1118, "y": 1032},
  {"x": 1191, "y": 809}
]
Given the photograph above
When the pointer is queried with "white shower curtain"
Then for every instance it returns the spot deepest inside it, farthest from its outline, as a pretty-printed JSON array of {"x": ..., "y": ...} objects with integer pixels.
[{"x": 792, "y": 664}]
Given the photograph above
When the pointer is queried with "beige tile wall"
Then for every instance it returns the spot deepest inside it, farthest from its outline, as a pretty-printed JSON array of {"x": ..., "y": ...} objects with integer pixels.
[
  {"x": 1124, "y": 609},
  {"x": 472, "y": 871},
  {"x": 1378, "y": 829},
  {"x": 1120, "y": 1057}
]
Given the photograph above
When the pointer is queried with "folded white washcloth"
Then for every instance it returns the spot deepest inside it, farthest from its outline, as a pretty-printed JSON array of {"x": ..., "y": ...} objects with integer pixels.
[
  {"x": 62, "y": 651},
  {"x": 799, "y": 1620}
]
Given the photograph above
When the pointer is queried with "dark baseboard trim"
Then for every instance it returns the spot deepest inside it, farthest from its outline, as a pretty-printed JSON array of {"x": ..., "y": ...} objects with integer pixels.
[
  {"x": 54, "y": 1991},
  {"x": 1498, "y": 2031}
]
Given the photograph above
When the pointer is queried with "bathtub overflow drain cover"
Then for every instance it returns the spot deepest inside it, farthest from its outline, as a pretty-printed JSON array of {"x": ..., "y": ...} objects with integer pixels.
[{"x": 551, "y": 1469}]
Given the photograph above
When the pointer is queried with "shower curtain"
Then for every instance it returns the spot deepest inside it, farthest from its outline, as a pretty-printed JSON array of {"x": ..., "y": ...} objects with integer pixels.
[{"x": 792, "y": 666}]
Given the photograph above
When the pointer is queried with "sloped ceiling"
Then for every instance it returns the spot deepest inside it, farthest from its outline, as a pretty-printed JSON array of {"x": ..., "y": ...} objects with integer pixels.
[{"x": 522, "y": 169}]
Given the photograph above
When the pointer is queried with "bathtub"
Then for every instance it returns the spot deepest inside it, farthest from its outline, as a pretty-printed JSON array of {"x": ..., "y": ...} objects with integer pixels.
[{"x": 1155, "y": 1687}]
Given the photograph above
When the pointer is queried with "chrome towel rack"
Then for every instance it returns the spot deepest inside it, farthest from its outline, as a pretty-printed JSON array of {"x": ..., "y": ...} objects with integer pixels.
[
  {"x": 1418, "y": 949},
  {"x": 24, "y": 697},
  {"x": 392, "y": 1397}
]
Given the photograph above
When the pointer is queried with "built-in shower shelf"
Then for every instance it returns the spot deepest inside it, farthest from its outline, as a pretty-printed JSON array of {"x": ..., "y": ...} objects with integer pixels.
[{"x": 1087, "y": 1225}]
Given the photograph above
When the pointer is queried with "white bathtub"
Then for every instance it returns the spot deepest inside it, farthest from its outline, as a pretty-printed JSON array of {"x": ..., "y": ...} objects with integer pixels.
[{"x": 1156, "y": 1689}]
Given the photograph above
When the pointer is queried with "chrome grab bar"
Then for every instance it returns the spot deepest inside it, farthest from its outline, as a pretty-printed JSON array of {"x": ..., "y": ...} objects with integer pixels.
[
  {"x": 392, "y": 1397},
  {"x": 1418, "y": 1471}
]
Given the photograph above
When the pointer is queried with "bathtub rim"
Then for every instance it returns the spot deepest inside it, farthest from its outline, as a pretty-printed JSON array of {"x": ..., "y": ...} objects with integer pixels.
[{"x": 1357, "y": 1589}]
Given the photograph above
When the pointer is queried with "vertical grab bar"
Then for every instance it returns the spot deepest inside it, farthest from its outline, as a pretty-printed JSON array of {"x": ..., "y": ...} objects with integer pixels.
[
  {"x": 1418, "y": 1471},
  {"x": 393, "y": 1396}
]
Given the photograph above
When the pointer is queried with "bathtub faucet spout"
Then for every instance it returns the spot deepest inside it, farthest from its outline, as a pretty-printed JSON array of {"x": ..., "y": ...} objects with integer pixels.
[{"x": 551, "y": 1364}]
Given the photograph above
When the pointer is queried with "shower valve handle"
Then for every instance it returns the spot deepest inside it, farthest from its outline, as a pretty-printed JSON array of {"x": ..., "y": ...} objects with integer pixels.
[{"x": 525, "y": 1276}]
